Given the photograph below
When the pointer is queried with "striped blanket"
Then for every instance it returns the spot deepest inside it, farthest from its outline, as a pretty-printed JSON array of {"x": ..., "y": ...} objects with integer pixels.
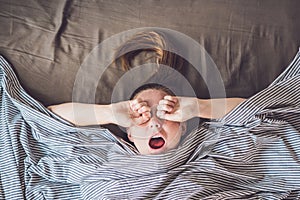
[{"x": 251, "y": 153}]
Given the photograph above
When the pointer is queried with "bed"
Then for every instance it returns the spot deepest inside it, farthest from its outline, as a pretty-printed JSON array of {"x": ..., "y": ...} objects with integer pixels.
[{"x": 43, "y": 46}]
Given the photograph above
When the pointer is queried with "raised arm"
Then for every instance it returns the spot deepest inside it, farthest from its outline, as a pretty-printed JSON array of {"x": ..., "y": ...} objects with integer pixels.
[
  {"x": 184, "y": 108},
  {"x": 83, "y": 114},
  {"x": 217, "y": 108},
  {"x": 124, "y": 113}
]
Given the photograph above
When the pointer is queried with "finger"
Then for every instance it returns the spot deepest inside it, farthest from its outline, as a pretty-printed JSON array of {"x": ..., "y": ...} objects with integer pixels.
[
  {"x": 171, "y": 98},
  {"x": 133, "y": 102},
  {"x": 165, "y": 108},
  {"x": 136, "y": 106},
  {"x": 160, "y": 114},
  {"x": 143, "y": 118},
  {"x": 144, "y": 109},
  {"x": 141, "y": 111},
  {"x": 167, "y": 102},
  {"x": 146, "y": 115}
]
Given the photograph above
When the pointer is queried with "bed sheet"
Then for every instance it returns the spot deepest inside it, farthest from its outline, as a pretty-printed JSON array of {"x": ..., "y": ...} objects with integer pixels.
[{"x": 251, "y": 153}]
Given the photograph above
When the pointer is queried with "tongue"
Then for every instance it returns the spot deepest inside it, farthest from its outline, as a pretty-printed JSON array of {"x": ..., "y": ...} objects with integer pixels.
[{"x": 156, "y": 143}]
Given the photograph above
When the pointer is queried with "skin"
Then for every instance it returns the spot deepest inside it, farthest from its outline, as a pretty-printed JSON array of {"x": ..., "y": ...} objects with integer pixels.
[
  {"x": 121, "y": 113},
  {"x": 151, "y": 113},
  {"x": 181, "y": 109},
  {"x": 141, "y": 134}
]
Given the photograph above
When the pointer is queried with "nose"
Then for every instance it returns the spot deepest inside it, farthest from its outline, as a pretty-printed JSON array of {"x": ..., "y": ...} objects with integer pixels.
[{"x": 155, "y": 122}]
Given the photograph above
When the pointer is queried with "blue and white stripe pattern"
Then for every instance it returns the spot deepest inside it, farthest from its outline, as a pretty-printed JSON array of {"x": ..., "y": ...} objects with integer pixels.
[{"x": 251, "y": 153}]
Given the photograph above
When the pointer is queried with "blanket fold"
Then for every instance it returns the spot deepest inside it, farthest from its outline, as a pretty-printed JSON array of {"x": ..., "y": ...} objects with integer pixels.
[{"x": 251, "y": 153}]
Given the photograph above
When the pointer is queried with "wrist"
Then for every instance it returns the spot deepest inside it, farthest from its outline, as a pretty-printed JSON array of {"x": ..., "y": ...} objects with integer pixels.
[{"x": 203, "y": 108}]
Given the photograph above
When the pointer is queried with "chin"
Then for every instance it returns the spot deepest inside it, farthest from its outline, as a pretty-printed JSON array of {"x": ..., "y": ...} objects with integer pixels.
[{"x": 157, "y": 151}]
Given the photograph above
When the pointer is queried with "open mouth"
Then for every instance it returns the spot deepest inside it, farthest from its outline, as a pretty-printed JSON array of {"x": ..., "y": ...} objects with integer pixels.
[{"x": 156, "y": 142}]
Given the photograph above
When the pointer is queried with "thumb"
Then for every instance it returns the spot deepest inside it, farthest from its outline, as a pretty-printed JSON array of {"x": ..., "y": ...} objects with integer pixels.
[{"x": 168, "y": 116}]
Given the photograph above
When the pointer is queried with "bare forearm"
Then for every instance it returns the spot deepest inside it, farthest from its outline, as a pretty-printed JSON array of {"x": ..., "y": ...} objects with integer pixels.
[
  {"x": 217, "y": 108},
  {"x": 84, "y": 114}
]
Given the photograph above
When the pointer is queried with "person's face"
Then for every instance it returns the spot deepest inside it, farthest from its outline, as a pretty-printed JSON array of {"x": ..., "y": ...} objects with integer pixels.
[{"x": 156, "y": 135}]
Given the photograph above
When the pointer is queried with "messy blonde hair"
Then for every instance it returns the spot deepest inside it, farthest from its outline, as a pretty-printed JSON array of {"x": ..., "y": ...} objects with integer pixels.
[{"x": 149, "y": 41}]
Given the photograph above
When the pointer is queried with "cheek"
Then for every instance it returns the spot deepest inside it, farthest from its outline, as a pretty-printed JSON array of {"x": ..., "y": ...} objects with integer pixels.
[
  {"x": 171, "y": 127},
  {"x": 138, "y": 132},
  {"x": 173, "y": 135}
]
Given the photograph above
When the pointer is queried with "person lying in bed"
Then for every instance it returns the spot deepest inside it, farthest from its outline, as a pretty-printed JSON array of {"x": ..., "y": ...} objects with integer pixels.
[
  {"x": 148, "y": 102},
  {"x": 154, "y": 117}
]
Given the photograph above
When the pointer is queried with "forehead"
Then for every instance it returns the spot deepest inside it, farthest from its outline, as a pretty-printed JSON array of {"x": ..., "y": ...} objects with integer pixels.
[{"x": 151, "y": 96}]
